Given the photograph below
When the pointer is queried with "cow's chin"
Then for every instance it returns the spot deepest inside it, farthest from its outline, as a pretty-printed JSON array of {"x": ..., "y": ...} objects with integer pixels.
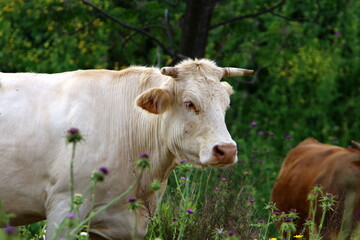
[
  {"x": 216, "y": 164},
  {"x": 220, "y": 165}
]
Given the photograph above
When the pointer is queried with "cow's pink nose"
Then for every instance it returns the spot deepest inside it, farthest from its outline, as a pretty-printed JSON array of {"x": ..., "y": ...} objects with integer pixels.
[{"x": 225, "y": 153}]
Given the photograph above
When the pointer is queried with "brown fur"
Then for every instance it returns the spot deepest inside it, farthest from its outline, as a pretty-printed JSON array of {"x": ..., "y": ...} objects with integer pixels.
[{"x": 336, "y": 169}]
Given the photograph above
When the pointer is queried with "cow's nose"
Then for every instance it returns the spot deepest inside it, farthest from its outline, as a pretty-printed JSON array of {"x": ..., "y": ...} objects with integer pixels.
[{"x": 225, "y": 153}]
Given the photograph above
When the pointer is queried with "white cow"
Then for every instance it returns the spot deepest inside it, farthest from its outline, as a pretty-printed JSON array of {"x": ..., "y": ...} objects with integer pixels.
[{"x": 172, "y": 114}]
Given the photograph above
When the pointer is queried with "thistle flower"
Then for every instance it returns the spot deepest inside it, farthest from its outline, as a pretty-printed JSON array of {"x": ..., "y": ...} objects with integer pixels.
[
  {"x": 78, "y": 199},
  {"x": 70, "y": 215},
  {"x": 155, "y": 185},
  {"x": 99, "y": 175},
  {"x": 287, "y": 136},
  {"x": 10, "y": 230},
  {"x": 329, "y": 195},
  {"x": 134, "y": 204},
  {"x": 190, "y": 211},
  {"x": 253, "y": 124},
  {"x": 144, "y": 155},
  {"x": 184, "y": 161},
  {"x": 143, "y": 163},
  {"x": 104, "y": 170},
  {"x": 251, "y": 200},
  {"x": 73, "y": 136}
]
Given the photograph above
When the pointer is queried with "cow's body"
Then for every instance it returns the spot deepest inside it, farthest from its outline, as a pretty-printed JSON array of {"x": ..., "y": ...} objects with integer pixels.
[
  {"x": 36, "y": 110},
  {"x": 334, "y": 168}
]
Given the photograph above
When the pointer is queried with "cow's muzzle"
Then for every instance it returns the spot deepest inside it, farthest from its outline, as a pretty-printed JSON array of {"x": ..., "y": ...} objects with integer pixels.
[{"x": 224, "y": 154}]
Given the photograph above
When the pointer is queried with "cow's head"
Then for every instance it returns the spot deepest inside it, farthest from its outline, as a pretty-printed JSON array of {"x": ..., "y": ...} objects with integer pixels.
[{"x": 192, "y": 104}]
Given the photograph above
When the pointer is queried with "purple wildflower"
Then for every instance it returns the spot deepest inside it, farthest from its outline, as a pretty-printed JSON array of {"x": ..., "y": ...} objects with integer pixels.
[
  {"x": 217, "y": 188},
  {"x": 71, "y": 215},
  {"x": 10, "y": 229},
  {"x": 271, "y": 134},
  {"x": 261, "y": 221},
  {"x": 73, "y": 131},
  {"x": 287, "y": 136},
  {"x": 329, "y": 195},
  {"x": 104, "y": 170},
  {"x": 293, "y": 210},
  {"x": 251, "y": 200},
  {"x": 144, "y": 155},
  {"x": 220, "y": 232},
  {"x": 190, "y": 210},
  {"x": 223, "y": 179},
  {"x": 253, "y": 124},
  {"x": 73, "y": 136},
  {"x": 261, "y": 133},
  {"x": 287, "y": 219},
  {"x": 174, "y": 219},
  {"x": 309, "y": 219},
  {"x": 132, "y": 199},
  {"x": 183, "y": 178},
  {"x": 184, "y": 161},
  {"x": 231, "y": 233},
  {"x": 277, "y": 213}
]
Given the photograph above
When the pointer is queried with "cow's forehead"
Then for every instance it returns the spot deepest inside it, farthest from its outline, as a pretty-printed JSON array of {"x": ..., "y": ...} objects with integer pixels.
[{"x": 197, "y": 69}]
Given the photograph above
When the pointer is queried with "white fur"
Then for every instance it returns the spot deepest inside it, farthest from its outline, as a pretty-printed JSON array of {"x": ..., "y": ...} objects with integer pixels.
[{"x": 36, "y": 110}]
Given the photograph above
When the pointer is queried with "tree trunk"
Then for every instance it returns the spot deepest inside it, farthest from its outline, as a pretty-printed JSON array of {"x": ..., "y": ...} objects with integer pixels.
[{"x": 195, "y": 28}]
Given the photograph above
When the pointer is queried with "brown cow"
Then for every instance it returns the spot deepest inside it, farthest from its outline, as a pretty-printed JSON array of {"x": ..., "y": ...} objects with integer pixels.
[{"x": 334, "y": 168}]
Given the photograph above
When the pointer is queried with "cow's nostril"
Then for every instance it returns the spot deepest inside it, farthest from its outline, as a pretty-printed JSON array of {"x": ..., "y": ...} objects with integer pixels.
[{"x": 218, "y": 151}]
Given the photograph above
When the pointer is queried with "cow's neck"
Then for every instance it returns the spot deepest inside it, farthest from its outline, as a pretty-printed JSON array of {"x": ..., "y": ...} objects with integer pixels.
[{"x": 149, "y": 140}]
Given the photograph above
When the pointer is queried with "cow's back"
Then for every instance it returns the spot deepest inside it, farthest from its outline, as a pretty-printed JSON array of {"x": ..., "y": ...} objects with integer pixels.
[{"x": 36, "y": 110}]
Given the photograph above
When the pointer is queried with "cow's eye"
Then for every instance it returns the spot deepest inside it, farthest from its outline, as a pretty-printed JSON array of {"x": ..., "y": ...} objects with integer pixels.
[{"x": 189, "y": 105}]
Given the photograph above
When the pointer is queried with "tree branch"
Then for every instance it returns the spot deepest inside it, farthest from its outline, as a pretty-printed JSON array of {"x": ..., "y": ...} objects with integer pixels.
[
  {"x": 252, "y": 15},
  {"x": 301, "y": 19},
  {"x": 138, "y": 30}
]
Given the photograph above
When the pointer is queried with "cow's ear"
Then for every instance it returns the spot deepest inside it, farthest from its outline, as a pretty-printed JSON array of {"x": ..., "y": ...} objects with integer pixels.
[
  {"x": 228, "y": 88},
  {"x": 154, "y": 100}
]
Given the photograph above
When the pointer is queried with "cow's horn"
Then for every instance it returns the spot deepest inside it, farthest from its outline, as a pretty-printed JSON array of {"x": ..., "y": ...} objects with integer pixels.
[
  {"x": 233, "y": 72},
  {"x": 355, "y": 144},
  {"x": 169, "y": 71}
]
